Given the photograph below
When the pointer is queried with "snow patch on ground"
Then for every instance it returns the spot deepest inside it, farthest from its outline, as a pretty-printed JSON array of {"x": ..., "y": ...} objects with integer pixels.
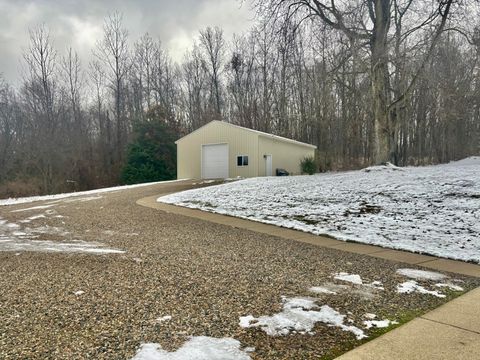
[
  {"x": 84, "y": 199},
  {"x": 321, "y": 290},
  {"x": 330, "y": 288},
  {"x": 412, "y": 286},
  {"x": 298, "y": 316},
  {"x": 56, "y": 246},
  {"x": 357, "y": 280},
  {"x": 13, "y": 238},
  {"x": 34, "y": 217},
  {"x": 33, "y": 208},
  {"x": 450, "y": 286},
  {"x": 24, "y": 200},
  {"x": 365, "y": 291},
  {"x": 379, "y": 323},
  {"x": 45, "y": 229},
  {"x": 352, "y": 278},
  {"x": 387, "y": 166},
  {"x": 472, "y": 160},
  {"x": 164, "y": 318},
  {"x": 430, "y": 209},
  {"x": 196, "y": 348},
  {"x": 421, "y": 274},
  {"x": 376, "y": 285}
]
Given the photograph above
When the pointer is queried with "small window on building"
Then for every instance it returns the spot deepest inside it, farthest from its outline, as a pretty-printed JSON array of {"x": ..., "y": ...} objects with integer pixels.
[{"x": 242, "y": 160}]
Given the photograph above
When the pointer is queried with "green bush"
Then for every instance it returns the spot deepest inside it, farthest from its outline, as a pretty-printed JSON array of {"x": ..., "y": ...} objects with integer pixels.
[
  {"x": 152, "y": 154},
  {"x": 308, "y": 165}
]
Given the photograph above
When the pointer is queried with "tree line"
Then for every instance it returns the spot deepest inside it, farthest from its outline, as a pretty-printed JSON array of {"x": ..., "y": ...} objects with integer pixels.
[{"x": 366, "y": 81}]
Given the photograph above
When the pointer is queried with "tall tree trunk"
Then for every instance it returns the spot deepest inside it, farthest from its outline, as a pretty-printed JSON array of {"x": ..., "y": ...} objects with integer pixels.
[{"x": 383, "y": 131}]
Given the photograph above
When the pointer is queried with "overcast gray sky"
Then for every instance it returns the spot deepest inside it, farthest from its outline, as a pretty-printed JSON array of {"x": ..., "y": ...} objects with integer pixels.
[{"x": 79, "y": 24}]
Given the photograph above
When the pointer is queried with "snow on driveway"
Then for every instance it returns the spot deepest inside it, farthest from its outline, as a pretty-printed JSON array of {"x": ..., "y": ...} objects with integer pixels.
[
  {"x": 30, "y": 199},
  {"x": 299, "y": 315},
  {"x": 24, "y": 236},
  {"x": 15, "y": 238},
  {"x": 196, "y": 348},
  {"x": 431, "y": 209}
]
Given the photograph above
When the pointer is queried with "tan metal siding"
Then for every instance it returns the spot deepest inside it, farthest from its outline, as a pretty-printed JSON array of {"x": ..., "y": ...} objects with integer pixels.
[
  {"x": 240, "y": 141},
  {"x": 284, "y": 155}
]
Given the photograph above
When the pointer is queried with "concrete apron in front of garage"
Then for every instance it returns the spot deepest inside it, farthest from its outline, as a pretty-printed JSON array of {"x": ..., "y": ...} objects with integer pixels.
[{"x": 451, "y": 331}]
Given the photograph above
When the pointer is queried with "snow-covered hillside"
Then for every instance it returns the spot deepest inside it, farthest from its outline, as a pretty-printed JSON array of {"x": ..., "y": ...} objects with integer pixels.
[{"x": 431, "y": 209}]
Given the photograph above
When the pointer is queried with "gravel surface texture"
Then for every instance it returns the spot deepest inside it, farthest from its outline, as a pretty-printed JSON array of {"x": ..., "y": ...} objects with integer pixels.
[{"x": 74, "y": 305}]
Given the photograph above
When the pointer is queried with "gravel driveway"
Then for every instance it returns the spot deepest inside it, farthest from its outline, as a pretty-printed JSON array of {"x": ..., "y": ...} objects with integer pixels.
[{"x": 57, "y": 304}]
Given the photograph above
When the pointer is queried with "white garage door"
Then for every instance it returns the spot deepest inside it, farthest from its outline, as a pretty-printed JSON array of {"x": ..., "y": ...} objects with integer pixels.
[{"x": 215, "y": 161}]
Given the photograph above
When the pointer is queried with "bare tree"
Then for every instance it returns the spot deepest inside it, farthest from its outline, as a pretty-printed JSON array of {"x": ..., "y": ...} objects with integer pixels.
[
  {"x": 195, "y": 79},
  {"x": 266, "y": 60},
  {"x": 113, "y": 51},
  {"x": 213, "y": 44},
  {"x": 40, "y": 94},
  {"x": 368, "y": 21},
  {"x": 74, "y": 81},
  {"x": 9, "y": 127},
  {"x": 166, "y": 80},
  {"x": 104, "y": 126},
  {"x": 144, "y": 65},
  {"x": 242, "y": 82}
]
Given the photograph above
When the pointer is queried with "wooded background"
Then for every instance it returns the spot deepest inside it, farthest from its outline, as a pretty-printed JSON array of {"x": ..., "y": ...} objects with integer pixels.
[{"x": 364, "y": 80}]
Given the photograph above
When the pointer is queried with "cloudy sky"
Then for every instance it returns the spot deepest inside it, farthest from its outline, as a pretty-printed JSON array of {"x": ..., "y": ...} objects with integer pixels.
[{"x": 78, "y": 23}]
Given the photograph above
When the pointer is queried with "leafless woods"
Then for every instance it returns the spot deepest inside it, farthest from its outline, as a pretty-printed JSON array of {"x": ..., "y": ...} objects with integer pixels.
[{"x": 365, "y": 80}]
